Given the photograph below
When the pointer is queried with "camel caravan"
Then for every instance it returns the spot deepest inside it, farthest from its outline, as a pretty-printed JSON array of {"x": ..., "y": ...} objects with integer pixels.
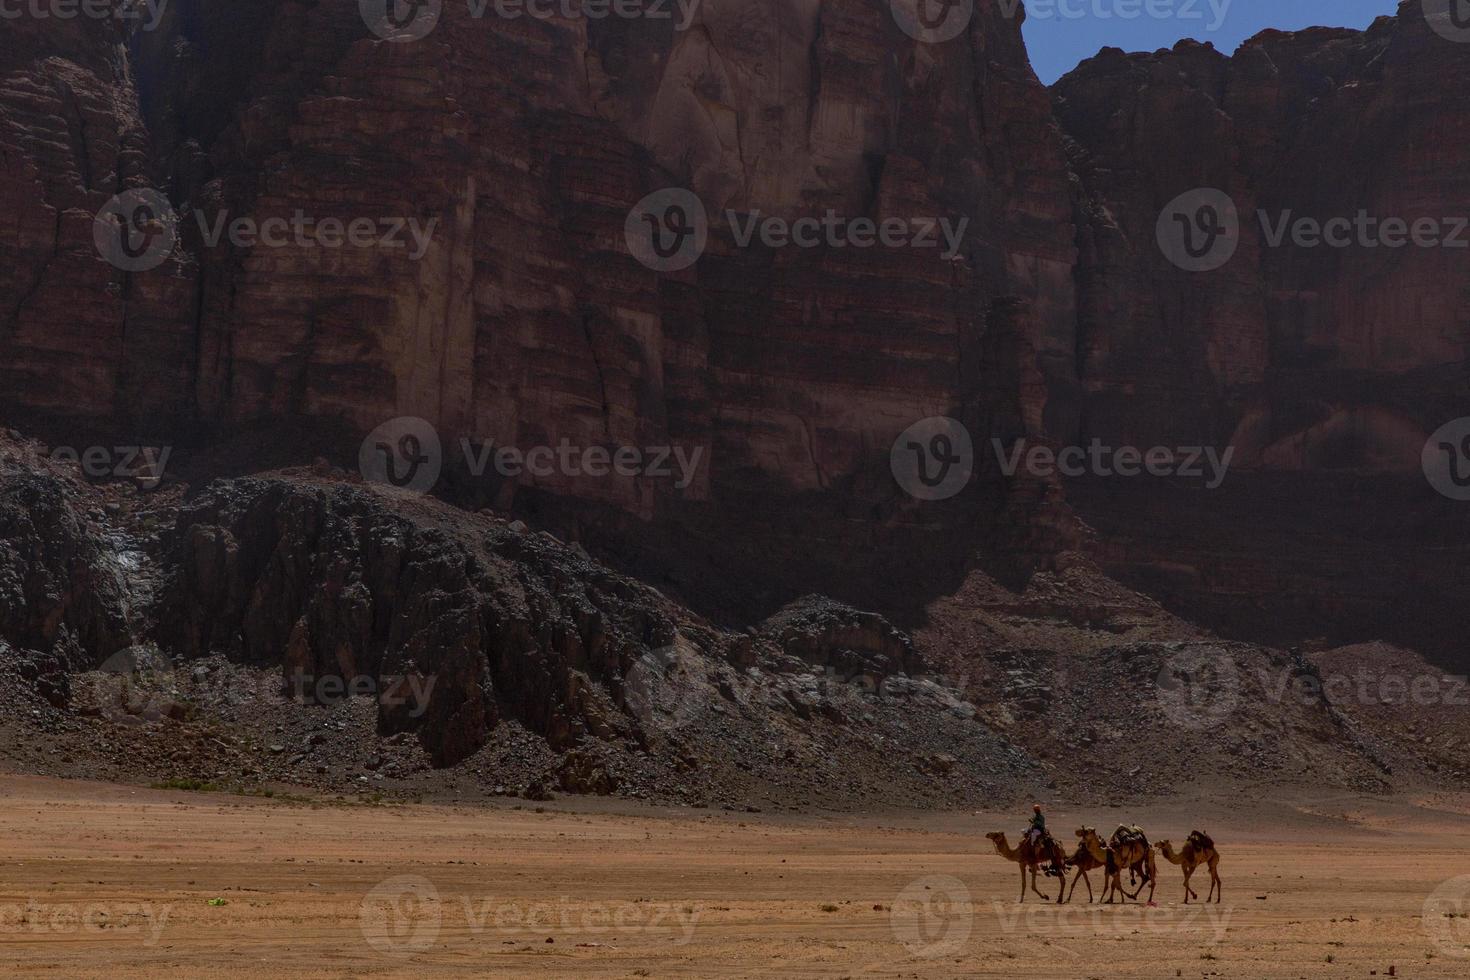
[{"x": 1128, "y": 849}]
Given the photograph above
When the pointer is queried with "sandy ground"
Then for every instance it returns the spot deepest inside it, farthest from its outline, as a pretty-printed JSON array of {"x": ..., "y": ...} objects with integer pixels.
[{"x": 99, "y": 880}]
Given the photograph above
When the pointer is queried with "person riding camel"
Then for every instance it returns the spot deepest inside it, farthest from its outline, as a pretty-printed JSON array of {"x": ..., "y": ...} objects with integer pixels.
[{"x": 1036, "y": 832}]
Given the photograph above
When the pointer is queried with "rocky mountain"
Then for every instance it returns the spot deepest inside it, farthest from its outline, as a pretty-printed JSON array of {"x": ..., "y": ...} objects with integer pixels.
[{"x": 504, "y": 168}]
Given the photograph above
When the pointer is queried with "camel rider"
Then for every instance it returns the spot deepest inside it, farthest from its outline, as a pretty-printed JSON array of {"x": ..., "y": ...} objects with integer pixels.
[{"x": 1036, "y": 832}]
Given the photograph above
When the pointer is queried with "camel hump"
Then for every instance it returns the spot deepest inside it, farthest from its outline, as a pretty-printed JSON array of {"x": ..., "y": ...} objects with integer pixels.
[
  {"x": 1201, "y": 840},
  {"x": 1129, "y": 834}
]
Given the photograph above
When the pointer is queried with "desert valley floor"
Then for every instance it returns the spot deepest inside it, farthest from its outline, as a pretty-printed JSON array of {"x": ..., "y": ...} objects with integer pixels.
[{"x": 105, "y": 880}]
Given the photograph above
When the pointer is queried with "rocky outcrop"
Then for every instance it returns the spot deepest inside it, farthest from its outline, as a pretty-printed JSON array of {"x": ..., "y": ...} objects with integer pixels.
[
  {"x": 60, "y": 594},
  {"x": 452, "y": 626},
  {"x": 845, "y": 641}
]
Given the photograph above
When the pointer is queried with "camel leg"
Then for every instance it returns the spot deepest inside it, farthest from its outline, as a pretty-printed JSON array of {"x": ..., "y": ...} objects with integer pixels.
[
  {"x": 1044, "y": 897},
  {"x": 1134, "y": 895},
  {"x": 1081, "y": 876},
  {"x": 1023, "y": 883},
  {"x": 1214, "y": 884},
  {"x": 1187, "y": 890}
]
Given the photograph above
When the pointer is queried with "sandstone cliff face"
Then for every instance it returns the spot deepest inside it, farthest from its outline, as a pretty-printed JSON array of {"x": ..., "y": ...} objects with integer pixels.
[
  {"x": 1318, "y": 365},
  {"x": 1311, "y": 359},
  {"x": 526, "y": 321},
  {"x": 524, "y": 144},
  {"x": 528, "y": 142}
]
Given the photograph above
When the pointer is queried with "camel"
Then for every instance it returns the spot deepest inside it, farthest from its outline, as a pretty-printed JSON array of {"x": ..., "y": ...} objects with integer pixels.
[
  {"x": 1031, "y": 858},
  {"x": 1198, "y": 849},
  {"x": 1117, "y": 855},
  {"x": 1084, "y": 862}
]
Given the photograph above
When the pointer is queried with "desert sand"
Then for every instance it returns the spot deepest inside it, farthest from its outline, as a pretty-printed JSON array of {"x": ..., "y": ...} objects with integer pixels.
[{"x": 103, "y": 880}]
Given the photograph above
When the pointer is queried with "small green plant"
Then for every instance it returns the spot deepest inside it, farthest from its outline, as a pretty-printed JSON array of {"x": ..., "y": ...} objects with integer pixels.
[{"x": 190, "y": 784}]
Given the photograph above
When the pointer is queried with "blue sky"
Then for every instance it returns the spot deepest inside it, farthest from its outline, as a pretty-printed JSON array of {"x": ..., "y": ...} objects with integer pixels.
[{"x": 1058, "y": 38}]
